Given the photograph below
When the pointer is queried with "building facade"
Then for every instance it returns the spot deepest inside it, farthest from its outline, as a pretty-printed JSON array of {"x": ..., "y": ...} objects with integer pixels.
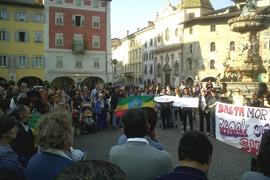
[
  {"x": 22, "y": 41},
  {"x": 78, "y": 46},
  {"x": 193, "y": 42}
]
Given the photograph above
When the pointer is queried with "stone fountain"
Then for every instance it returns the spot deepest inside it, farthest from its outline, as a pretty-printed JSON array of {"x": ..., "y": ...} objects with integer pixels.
[{"x": 248, "y": 64}]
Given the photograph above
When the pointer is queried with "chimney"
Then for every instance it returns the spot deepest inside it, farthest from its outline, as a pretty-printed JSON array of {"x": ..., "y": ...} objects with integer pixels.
[
  {"x": 138, "y": 29},
  {"x": 127, "y": 32}
]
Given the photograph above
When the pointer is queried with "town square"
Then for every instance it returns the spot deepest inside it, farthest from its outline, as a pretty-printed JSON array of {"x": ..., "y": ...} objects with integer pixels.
[{"x": 135, "y": 89}]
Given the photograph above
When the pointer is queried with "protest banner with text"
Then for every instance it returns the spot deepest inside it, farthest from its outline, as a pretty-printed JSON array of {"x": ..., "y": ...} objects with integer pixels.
[{"x": 241, "y": 126}]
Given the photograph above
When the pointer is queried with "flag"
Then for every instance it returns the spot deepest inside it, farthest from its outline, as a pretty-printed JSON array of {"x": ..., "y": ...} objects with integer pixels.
[{"x": 133, "y": 102}]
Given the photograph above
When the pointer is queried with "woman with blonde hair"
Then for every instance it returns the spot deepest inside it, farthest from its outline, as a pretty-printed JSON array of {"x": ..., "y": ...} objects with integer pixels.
[{"x": 54, "y": 134}]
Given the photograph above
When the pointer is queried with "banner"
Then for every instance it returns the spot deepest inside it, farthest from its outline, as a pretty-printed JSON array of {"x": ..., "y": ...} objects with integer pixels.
[
  {"x": 133, "y": 102},
  {"x": 178, "y": 101},
  {"x": 241, "y": 126}
]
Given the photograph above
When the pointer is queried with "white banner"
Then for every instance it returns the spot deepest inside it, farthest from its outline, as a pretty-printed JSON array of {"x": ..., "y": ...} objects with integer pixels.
[
  {"x": 178, "y": 101},
  {"x": 241, "y": 126}
]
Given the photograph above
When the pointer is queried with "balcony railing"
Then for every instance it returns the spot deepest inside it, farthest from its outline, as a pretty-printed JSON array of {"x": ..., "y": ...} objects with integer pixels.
[{"x": 79, "y": 47}]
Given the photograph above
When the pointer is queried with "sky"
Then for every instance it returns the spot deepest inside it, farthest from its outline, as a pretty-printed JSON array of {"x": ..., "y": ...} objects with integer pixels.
[{"x": 133, "y": 14}]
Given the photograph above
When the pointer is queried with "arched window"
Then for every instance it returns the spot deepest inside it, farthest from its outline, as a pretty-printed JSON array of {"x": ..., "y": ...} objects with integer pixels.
[
  {"x": 232, "y": 46},
  {"x": 212, "y": 47},
  {"x": 212, "y": 64}
]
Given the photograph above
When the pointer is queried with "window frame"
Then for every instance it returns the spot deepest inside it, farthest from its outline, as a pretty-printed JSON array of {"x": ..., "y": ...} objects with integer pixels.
[
  {"x": 212, "y": 47},
  {"x": 37, "y": 62},
  {"x": 19, "y": 16},
  {"x": 212, "y": 28},
  {"x": 96, "y": 42},
  {"x": 3, "y": 61},
  {"x": 22, "y": 61},
  {"x": 3, "y": 14},
  {"x": 96, "y": 64},
  {"x": 74, "y": 20},
  {"x": 59, "y": 37},
  {"x": 38, "y": 40},
  {"x": 96, "y": 22},
  {"x": 3, "y": 35},
  {"x": 59, "y": 19}
]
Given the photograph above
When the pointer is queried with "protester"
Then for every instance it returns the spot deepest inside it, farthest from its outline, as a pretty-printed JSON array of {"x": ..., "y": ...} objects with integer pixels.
[
  {"x": 10, "y": 167},
  {"x": 131, "y": 155},
  {"x": 203, "y": 111},
  {"x": 92, "y": 170},
  {"x": 24, "y": 144},
  {"x": 187, "y": 111},
  {"x": 194, "y": 153},
  {"x": 151, "y": 134},
  {"x": 263, "y": 160},
  {"x": 101, "y": 108},
  {"x": 54, "y": 135},
  {"x": 212, "y": 102}
]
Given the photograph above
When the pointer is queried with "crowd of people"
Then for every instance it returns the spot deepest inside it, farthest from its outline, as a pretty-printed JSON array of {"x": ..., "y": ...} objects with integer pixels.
[{"x": 37, "y": 128}]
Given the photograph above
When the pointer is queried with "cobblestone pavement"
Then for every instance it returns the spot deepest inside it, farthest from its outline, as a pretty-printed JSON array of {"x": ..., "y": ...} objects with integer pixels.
[{"x": 228, "y": 163}]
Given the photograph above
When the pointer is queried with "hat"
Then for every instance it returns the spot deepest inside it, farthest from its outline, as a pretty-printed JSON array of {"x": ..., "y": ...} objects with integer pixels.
[{"x": 6, "y": 123}]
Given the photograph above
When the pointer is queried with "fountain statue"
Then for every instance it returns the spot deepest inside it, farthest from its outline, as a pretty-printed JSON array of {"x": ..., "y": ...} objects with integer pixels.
[{"x": 248, "y": 62}]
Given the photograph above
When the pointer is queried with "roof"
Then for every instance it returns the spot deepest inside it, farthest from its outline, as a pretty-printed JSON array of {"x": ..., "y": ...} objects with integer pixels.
[
  {"x": 196, "y": 4},
  {"x": 22, "y": 3}
]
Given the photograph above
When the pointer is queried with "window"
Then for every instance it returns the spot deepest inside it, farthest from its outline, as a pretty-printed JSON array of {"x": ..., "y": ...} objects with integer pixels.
[
  {"x": 212, "y": 47},
  {"x": 21, "y": 63},
  {"x": 145, "y": 69},
  {"x": 3, "y": 61},
  {"x": 59, "y": 19},
  {"x": 95, "y": 3},
  {"x": 159, "y": 38},
  {"x": 96, "y": 64},
  {"x": 151, "y": 42},
  {"x": 22, "y": 36},
  {"x": 3, "y": 14},
  {"x": 78, "y": 20},
  {"x": 78, "y": 64},
  {"x": 95, "y": 22},
  {"x": 59, "y": 39},
  {"x": 151, "y": 69},
  {"x": 78, "y": 2},
  {"x": 212, "y": 64},
  {"x": 38, "y": 18},
  {"x": 191, "y": 30},
  {"x": 59, "y": 1},
  {"x": 145, "y": 44},
  {"x": 167, "y": 34},
  {"x": 37, "y": 62},
  {"x": 38, "y": 36},
  {"x": 190, "y": 48},
  {"x": 3, "y": 35},
  {"x": 96, "y": 42},
  {"x": 191, "y": 15},
  {"x": 59, "y": 61},
  {"x": 232, "y": 46},
  {"x": 213, "y": 28},
  {"x": 189, "y": 64},
  {"x": 21, "y": 16}
]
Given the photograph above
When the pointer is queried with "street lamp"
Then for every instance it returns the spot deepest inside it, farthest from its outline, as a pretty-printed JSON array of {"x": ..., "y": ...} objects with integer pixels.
[{"x": 114, "y": 62}]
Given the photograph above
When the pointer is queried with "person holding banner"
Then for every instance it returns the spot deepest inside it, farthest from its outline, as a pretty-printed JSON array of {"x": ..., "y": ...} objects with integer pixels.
[
  {"x": 187, "y": 111},
  {"x": 203, "y": 111},
  {"x": 212, "y": 110},
  {"x": 263, "y": 161}
]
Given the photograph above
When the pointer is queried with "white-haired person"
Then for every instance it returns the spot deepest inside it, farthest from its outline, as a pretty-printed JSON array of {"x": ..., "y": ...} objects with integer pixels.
[
  {"x": 54, "y": 135},
  {"x": 101, "y": 107}
]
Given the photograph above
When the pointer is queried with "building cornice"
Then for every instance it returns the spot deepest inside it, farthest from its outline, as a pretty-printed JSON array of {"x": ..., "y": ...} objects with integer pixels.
[{"x": 23, "y": 4}]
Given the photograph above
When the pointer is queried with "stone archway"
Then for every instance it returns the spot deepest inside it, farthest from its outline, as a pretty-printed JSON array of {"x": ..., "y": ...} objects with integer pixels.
[
  {"x": 31, "y": 81},
  {"x": 62, "y": 82},
  {"x": 91, "y": 82}
]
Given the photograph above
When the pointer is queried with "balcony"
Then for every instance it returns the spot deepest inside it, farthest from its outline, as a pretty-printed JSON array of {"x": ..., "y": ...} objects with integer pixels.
[
  {"x": 129, "y": 74},
  {"x": 78, "y": 47}
]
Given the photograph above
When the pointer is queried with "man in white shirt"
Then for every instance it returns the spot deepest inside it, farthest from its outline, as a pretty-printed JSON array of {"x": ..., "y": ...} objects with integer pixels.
[{"x": 136, "y": 158}]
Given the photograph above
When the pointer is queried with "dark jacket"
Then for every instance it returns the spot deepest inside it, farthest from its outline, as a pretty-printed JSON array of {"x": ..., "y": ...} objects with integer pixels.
[
  {"x": 24, "y": 144},
  {"x": 10, "y": 167},
  {"x": 185, "y": 173}
]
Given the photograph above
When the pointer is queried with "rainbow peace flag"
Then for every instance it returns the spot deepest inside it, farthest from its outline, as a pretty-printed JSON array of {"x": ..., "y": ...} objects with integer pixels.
[{"x": 133, "y": 102}]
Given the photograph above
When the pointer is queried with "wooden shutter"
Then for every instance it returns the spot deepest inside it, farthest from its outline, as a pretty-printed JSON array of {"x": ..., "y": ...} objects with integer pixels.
[
  {"x": 27, "y": 62},
  {"x": 27, "y": 36},
  {"x": 33, "y": 61},
  {"x": 73, "y": 20},
  {"x": 43, "y": 62},
  {"x": 16, "y": 36}
]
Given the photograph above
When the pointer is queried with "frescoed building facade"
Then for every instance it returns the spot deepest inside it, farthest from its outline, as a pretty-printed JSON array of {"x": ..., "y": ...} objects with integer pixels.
[{"x": 22, "y": 41}]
